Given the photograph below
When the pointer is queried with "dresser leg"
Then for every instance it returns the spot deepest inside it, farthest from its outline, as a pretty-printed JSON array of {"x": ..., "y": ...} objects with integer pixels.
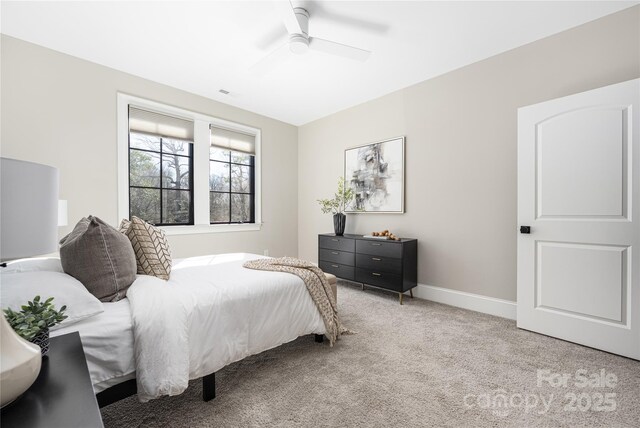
[
  {"x": 362, "y": 287},
  {"x": 401, "y": 296},
  {"x": 411, "y": 293}
]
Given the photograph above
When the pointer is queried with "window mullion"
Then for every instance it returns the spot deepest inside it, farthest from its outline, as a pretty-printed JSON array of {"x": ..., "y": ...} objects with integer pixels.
[
  {"x": 230, "y": 187},
  {"x": 161, "y": 204},
  {"x": 200, "y": 173}
]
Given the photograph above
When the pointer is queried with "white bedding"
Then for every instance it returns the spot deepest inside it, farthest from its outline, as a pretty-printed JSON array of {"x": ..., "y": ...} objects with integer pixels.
[
  {"x": 107, "y": 339},
  {"x": 211, "y": 312}
]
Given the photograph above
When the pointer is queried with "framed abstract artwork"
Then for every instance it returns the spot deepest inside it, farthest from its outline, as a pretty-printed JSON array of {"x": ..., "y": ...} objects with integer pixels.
[{"x": 375, "y": 172}]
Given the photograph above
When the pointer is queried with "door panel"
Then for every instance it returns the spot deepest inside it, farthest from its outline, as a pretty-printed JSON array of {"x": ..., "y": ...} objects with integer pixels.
[
  {"x": 580, "y": 160},
  {"x": 578, "y": 181},
  {"x": 581, "y": 279}
]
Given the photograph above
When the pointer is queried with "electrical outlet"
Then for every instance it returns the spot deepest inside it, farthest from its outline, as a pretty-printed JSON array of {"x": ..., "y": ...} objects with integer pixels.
[{"x": 266, "y": 252}]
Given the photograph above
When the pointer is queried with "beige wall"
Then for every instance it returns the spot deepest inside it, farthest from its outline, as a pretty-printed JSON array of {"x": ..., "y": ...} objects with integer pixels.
[
  {"x": 61, "y": 111},
  {"x": 461, "y": 151},
  {"x": 461, "y": 147}
]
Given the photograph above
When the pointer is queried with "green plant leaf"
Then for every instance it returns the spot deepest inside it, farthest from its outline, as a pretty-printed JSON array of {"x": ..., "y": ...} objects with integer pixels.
[{"x": 35, "y": 317}]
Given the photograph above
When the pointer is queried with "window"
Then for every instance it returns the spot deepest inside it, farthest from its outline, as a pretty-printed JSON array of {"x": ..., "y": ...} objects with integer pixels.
[
  {"x": 231, "y": 177},
  {"x": 160, "y": 168},
  {"x": 186, "y": 171}
]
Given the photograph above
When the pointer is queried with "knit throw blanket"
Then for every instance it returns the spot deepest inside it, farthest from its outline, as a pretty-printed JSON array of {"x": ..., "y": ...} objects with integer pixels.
[{"x": 317, "y": 285}]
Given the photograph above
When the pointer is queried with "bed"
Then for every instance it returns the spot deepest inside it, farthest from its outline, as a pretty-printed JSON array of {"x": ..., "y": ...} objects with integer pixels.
[{"x": 233, "y": 312}]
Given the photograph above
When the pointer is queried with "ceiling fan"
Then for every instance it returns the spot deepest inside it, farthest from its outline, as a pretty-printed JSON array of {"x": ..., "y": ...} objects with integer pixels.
[{"x": 296, "y": 20}]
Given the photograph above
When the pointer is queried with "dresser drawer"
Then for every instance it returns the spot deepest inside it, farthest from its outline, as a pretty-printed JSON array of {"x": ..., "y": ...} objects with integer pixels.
[
  {"x": 341, "y": 271},
  {"x": 340, "y": 257},
  {"x": 377, "y": 263},
  {"x": 379, "y": 279},
  {"x": 384, "y": 249},
  {"x": 337, "y": 243}
]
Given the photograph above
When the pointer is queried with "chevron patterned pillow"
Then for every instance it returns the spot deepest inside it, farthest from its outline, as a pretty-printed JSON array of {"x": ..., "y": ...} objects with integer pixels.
[{"x": 150, "y": 244}]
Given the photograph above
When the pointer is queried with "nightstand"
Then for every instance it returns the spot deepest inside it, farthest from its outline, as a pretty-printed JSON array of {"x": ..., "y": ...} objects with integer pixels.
[{"x": 62, "y": 395}]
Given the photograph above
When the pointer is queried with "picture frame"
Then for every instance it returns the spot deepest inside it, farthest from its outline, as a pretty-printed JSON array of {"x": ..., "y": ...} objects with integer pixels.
[{"x": 375, "y": 172}]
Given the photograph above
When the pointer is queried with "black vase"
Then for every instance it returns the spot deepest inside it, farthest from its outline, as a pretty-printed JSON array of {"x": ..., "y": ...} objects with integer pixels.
[
  {"x": 42, "y": 340},
  {"x": 339, "y": 221}
]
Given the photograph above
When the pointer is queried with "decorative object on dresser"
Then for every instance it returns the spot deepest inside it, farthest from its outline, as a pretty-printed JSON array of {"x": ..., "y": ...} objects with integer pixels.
[
  {"x": 391, "y": 264},
  {"x": 385, "y": 234},
  {"x": 62, "y": 395},
  {"x": 375, "y": 173},
  {"x": 34, "y": 320},
  {"x": 28, "y": 226},
  {"x": 338, "y": 205}
]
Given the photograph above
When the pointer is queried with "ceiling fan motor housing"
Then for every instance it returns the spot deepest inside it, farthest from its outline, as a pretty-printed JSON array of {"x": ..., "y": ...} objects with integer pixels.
[{"x": 299, "y": 43}]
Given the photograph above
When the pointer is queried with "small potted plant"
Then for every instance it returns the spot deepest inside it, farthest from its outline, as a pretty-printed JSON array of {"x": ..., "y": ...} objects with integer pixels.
[
  {"x": 34, "y": 321},
  {"x": 341, "y": 200}
]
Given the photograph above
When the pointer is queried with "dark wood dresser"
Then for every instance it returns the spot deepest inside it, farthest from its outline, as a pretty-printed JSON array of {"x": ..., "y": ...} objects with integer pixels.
[{"x": 391, "y": 265}]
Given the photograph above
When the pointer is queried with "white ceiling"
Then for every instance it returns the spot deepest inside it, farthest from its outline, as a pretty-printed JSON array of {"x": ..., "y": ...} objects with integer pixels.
[{"x": 202, "y": 47}]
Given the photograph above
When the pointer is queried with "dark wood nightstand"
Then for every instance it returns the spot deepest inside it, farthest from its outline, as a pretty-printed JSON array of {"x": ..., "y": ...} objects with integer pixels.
[{"x": 62, "y": 395}]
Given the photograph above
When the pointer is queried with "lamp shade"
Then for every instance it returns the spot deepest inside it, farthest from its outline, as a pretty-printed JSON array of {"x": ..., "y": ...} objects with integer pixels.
[{"x": 28, "y": 209}]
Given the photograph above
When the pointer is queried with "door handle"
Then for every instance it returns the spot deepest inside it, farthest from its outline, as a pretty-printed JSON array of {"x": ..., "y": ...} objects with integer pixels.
[{"x": 525, "y": 229}]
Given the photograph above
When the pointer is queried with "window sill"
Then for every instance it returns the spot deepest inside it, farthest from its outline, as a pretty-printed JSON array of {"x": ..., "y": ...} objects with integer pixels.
[{"x": 210, "y": 228}]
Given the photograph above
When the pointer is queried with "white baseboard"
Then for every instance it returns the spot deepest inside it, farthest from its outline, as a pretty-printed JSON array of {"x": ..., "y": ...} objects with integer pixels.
[{"x": 475, "y": 302}]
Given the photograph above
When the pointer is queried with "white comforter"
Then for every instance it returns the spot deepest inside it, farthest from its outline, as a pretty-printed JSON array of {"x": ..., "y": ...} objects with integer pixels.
[{"x": 210, "y": 313}]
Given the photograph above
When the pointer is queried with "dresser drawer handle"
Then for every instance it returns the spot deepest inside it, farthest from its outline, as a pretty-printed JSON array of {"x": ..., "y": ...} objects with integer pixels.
[
  {"x": 375, "y": 274},
  {"x": 335, "y": 252},
  {"x": 335, "y": 266},
  {"x": 376, "y": 259},
  {"x": 335, "y": 240},
  {"x": 375, "y": 245}
]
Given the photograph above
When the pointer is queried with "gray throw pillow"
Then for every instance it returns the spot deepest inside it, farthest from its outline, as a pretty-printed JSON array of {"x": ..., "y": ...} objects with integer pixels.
[
  {"x": 80, "y": 227},
  {"x": 100, "y": 257}
]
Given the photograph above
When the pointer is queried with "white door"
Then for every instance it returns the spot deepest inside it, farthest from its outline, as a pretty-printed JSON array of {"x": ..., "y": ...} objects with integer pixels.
[{"x": 578, "y": 181}]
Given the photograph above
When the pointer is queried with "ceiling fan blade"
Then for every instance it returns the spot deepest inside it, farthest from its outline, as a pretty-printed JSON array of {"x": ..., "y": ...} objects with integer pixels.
[
  {"x": 269, "y": 62},
  {"x": 272, "y": 39},
  {"x": 288, "y": 15},
  {"x": 339, "y": 49}
]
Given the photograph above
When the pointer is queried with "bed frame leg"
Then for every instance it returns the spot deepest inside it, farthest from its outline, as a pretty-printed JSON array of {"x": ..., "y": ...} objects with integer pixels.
[
  {"x": 319, "y": 338},
  {"x": 209, "y": 387}
]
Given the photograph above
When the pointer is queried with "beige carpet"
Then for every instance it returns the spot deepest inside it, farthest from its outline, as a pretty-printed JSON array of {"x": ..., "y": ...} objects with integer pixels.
[{"x": 421, "y": 364}]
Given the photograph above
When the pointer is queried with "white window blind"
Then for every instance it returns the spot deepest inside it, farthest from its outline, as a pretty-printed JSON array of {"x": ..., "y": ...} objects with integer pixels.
[
  {"x": 149, "y": 122},
  {"x": 233, "y": 140}
]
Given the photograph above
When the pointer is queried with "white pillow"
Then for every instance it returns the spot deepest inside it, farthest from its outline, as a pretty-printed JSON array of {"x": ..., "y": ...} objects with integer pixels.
[
  {"x": 16, "y": 289},
  {"x": 51, "y": 264}
]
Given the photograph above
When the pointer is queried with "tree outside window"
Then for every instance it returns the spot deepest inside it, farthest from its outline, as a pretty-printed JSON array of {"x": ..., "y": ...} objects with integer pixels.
[
  {"x": 231, "y": 186},
  {"x": 160, "y": 179}
]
